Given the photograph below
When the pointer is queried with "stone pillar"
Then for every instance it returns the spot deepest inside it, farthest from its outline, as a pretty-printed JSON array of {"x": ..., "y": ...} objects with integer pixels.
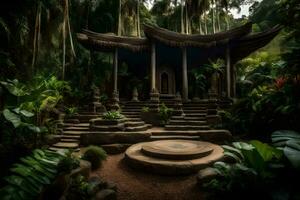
[
  {"x": 115, "y": 71},
  {"x": 213, "y": 91},
  {"x": 115, "y": 95},
  {"x": 154, "y": 94},
  {"x": 135, "y": 95},
  {"x": 153, "y": 66},
  {"x": 178, "y": 105},
  {"x": 184, "y": 76},
  {"x": 228, "y": 72},
  {"x": 96, "y": 106},
  {"x": 233, "y": 82}
]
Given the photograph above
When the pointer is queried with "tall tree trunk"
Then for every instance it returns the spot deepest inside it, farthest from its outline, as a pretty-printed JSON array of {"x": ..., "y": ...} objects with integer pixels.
[
  {"x": 218, "y": 19},
  {"x": 87, "y": 15},
  {"x": 186, "y": 20},
  {"x": 200, "y": 26},
  {"x": 181, "y": 17},
  {"x": 205, "y": 23},
  {"x": 138, "y": 19},
  {"x": 213, "y": 17},
  {"x": 64, "y": 40},
  {"x": 36, "y": 37},
  {"x": 120, "y": 18},
  {"x": 70, "y": 33},
  {"x": 227, "y": 22}
]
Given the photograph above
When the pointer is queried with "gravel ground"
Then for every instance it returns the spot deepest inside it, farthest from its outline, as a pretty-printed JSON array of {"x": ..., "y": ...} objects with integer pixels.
[{"x": 137, "y": 185}]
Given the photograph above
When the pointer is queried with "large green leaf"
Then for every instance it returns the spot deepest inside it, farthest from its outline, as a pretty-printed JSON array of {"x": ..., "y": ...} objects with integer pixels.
[
  {"x": 280, "y": 138},
  {"x": 15, "y": 87},
  {"x": 242, "y": 145},
  {"x": 23, "y": 184},
  {"x": 266, "y": 151},
  {"x": 12, "y": 117},
  {"x": 25, "y": 113},
  {"x": 292, "y": 152}
]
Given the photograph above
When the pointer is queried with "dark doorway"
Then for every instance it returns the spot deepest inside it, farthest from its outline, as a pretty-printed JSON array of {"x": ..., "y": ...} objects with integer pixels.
[{"x": 164, "y": 83}]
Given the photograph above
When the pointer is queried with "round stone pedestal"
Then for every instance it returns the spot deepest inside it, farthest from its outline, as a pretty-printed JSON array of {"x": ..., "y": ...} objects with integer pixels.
[{"x": 173, "y": 156}]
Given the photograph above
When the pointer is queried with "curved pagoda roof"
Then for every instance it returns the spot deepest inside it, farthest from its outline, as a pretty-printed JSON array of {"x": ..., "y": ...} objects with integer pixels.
[
  {"x": 109, "y": 41},
  {"x": 240, "y": 40},
  {"x": 195, "y": 40}
]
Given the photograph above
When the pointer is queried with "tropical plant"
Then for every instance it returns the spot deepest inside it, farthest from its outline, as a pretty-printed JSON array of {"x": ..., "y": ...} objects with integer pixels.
[
  {"x": 256, "y": 166},
  {"x": 145, "y": 109},
  {"x": 112, "y": 115},
  {"x": 33, "y": 174},
  {"x": 289, "y": 142},
  {"x": 95, "y": 155},
  {"x": 165, "y": 113},
  {"x": 71, "y": 111}
]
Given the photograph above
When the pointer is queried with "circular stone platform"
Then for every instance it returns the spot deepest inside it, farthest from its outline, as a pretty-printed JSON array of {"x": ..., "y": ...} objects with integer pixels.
[{"x": 173, "y": 156}]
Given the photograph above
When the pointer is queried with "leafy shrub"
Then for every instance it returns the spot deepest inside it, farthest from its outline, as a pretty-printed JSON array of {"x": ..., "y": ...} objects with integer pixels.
[
  {"x": 95, "y": 155},
  {"x": 145, "y": 109},
  {"x": 111, "y": 115},
  {"x": 258, "y": 169},
  {"x": 165, "y": 113},
  {"x": 71, "y": 111},
  {"x": 79, "y": 189},
  {"x": 32, "y": 174}
]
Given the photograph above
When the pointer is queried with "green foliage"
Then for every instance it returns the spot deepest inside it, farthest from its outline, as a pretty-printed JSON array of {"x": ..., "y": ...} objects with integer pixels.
[
  {"x": 111, "y": 115},
  {"x": 28, "y": 108},
  {"x": 71, "y": 111},
  {"x": 32, "y": 174},
  {"x": 95, "y": 155},
  {"x": 145, "y": 109},
  {"x": 256, "y": 169},
  {"x": 255, "y": 155},
  {"x": 289, "y": 141},
  {"x": 165, "y": 113},
  {"x": 79, "y": 189}
]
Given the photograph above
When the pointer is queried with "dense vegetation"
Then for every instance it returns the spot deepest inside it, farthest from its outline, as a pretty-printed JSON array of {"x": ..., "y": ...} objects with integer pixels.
[{"x": 45, "y": 73}]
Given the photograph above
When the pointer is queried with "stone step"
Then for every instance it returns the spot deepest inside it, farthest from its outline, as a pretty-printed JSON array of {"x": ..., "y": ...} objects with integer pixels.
[
  {"x": 69, "y": 140},
  {"x": 131, "y": 110},
  {"x": 66, "y": 145},
  {"x": 186, "y": 127},
  {"x": 133, "y": 119},
  {"x": 86, "y": 118},
  {"x": 76, "y": 137},
  {"x": 74, "y": 128},
  {"x": 71, "y": 121},
  {"x": 194, "y": 108},
  {"x": 74, "y": 132},
  {"x": 133, "y": 116},
  {"x": 174, "y": 137},
  {"x": 138, "y": 128},
  {"x": 195, "y": 115},
  {"x": 187, "y": 122},
  {"x": 119, "y": 127},
  {"x": 213, "y": 135},
  {"x": 134, "y": 124},
  {"x": 130, "y": 113},
  {"x": 188, "y": 118},
  {"x": 130, "y": 103},
  {"x": 77, "y": 125},
  {"x": 195, "y": 111}
]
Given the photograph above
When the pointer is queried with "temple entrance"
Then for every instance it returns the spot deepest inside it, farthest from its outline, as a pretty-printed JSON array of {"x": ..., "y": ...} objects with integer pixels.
[{"x": 164, "y": 83}]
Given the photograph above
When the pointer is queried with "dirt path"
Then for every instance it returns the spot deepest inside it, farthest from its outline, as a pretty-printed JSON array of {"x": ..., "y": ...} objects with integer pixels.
[{"x": 137, "y": 185}]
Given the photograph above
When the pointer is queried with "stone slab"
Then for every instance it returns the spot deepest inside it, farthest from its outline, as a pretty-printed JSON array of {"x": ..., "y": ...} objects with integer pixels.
[{"x": 135, "y": 158}]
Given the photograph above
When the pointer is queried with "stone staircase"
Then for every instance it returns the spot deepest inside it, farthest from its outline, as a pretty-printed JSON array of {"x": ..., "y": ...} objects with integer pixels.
[
  {"x": 132, "y": 110},
  {"x": 73, "y": 128},
  {"x": 194, "y": 118}
]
